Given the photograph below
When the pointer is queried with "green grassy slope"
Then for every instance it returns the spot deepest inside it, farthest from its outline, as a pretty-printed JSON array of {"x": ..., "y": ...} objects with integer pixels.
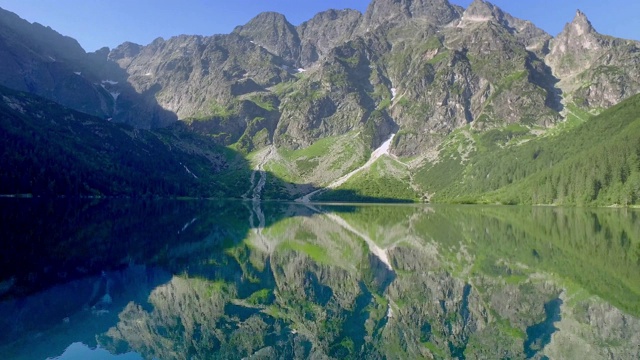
[
  {"x": 594, "y": 163},
  {"x": 386, "y": 178}
]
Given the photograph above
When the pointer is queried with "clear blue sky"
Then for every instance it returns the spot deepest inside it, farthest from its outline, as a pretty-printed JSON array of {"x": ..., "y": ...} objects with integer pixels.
[{"x": 97, "y": 23}]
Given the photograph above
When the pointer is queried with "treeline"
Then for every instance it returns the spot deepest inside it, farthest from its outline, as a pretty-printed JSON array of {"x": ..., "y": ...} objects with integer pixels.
[
  {"x": 49, "y": 150},
  {"x": 606, "y": 175},
  {"x": 596, "y": 163}
]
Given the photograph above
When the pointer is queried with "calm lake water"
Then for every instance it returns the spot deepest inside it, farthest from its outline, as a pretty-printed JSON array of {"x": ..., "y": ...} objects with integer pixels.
[{"x": 230, "y": 280}]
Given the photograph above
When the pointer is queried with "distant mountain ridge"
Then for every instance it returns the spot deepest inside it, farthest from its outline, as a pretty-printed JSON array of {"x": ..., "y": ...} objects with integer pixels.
[{"x": 268, "y": 50}]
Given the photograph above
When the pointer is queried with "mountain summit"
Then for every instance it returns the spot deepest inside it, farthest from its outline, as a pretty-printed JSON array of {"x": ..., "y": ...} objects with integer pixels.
[
  {"x": 273, "y": 32},
  {"x": 480, "y": 11},
  {"x": 436, "y": 12},
  {"x": 580, "y": 24},
  {"x": 595, "y": 70}
]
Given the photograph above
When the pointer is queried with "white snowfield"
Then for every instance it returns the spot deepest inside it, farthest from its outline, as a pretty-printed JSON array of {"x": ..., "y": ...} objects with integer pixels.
[
  {"x": 189, "y": 171},
  {"x": 377, "y": 153}
]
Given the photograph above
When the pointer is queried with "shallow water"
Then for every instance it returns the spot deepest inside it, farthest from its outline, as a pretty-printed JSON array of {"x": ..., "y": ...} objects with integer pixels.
[{"x": 200, "y": 279}]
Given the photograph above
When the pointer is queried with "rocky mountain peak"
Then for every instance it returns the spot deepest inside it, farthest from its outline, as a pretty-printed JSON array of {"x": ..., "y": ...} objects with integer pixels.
[
  {"x": 578, "y": 35},
  {"x": 480, "y": 10},
  {"x": 125, "y": 50},
  {"x": 325, "y": 31},
  {"x": 273, "y": 32},
  {"x": 437, "y": 12},
  {"x": 598, "y": 70},
  {"x": 268, "y": 18},
  {"x": 580, "y": 25},
  {"x": 51, "y": 43}
]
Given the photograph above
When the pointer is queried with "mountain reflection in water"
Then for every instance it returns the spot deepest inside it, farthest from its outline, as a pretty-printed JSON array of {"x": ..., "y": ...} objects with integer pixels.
[{"x": 227, "y": 280}]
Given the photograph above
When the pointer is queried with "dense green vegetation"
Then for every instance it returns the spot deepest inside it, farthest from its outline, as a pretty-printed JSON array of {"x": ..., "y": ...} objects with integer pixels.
[
  {"x": 51, "y": 150},
  {"x": 595, "y": 163},
  {"x": 47, "y": 149},
  {"x": 385, "y": 179}
]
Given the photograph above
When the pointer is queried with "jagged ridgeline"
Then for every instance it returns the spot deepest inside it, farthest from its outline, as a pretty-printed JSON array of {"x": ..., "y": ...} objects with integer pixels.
[{"x": 314, "y": 106}]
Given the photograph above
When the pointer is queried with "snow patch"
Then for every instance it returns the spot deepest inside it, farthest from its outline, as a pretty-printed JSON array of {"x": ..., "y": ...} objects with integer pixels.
[
  {"x": 382, "y": 150},
  {"x": 187, "y": 225},
  {"x": 148, "y": 74},
  {"x": 110, "y": 82},
  {"x": 77, "y": 73},
  {"x": 189, "y": 171},
  {"x": 533, "y": 47},
  {"x": 114, "y": 94},
  {"x": 393, "y": 93},
  {"x": 52, "y": 58},
  {"x": 301, "y": 70},
  {"x": 260, "y": 45}
]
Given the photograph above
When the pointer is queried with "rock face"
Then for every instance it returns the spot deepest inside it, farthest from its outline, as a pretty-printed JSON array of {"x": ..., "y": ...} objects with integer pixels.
[
  {"x": 436, "y": 12},
  {"x": 419, "y": 68},
  {"x": 274, "y": 33},
  {"x": 596, "y": 71},
  {"x": 526, "y": 32},
  {"x": 37, "y": 59},
  {"x": 325, "y": 31},
  {"x": 577, "y": 36}
]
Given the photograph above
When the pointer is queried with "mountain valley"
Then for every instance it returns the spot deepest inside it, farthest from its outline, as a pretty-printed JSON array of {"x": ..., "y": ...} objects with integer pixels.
[{"x": 465, "y": 95}]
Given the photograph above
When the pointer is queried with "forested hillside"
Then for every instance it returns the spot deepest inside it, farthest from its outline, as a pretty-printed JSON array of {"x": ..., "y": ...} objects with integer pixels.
[
  {"x": 47, "y": 149},
  {"x": 595, "y": 163}
]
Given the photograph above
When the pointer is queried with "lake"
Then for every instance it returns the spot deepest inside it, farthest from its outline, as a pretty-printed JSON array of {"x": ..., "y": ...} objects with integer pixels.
[{"x": 160, "y": 279}]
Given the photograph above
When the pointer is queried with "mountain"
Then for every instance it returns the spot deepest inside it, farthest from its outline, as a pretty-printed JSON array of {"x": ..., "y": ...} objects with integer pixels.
[
  {"x": 274, "y": 33},
  {"x": 595, "y": 71},
  {"x": 50, "y": 150},
  {"x": 324, "y": 31},
  {"x": 435, "y": 12},
  {"x": 311, "y": 103},
  {"x": 596, "y": 162},
  {"x": 37, "y": 59}
]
